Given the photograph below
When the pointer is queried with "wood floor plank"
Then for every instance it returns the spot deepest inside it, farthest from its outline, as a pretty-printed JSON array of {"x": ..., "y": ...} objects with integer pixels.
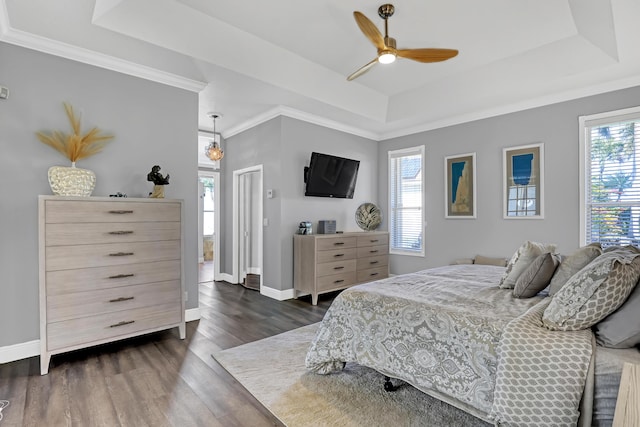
[{"x": 157, "y": 379}]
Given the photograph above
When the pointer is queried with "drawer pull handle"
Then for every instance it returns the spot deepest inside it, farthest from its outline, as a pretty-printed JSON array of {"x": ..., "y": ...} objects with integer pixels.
[
  {"x": 121, "y": 299},
  {"x": 120, "y": 212},
  {"x": 338, "y": 281},
  {"x": 338, "y": 243},
  {"x": 124, "y": 322},
  {"x": 121, "y": 276},
  {"x": 373, "y": 252},
  {"x": 121, "y": 254},
  {"x": 374, "y": 262},
  {"x": 338, "y": 255},
  {"x": 118, "y": 233},
  {"x": 373, "y": 241},
  {"x": 373, "y": 274},
  {"x": 338, "y": 268}
]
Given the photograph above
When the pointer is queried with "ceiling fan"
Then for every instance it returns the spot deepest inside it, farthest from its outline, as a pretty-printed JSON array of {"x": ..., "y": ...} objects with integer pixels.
[{"x": 386, "y": 45}]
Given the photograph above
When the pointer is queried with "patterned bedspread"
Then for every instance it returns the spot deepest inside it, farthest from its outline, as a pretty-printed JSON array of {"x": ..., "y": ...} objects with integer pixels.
[{"x": 437, "y": 329}]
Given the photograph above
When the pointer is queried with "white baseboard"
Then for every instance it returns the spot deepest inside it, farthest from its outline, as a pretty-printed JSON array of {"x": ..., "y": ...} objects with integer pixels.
[
  {"x": 278, "y": 294},
  {"x": 225, "y": 277},
  {"x": 192, "y": 314},
  {"x": 11, "y": 353},
  {"x": 253, "y": 270},
  {"x": 20, "y": 351}
]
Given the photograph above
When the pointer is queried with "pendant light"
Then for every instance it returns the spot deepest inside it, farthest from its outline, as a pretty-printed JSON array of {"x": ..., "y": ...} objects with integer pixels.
[{"x": 213, "y": 150}]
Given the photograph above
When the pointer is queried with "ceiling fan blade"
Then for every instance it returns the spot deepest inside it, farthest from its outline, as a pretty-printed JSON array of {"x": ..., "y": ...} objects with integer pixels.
[
  {"x": 370, "y": 30},
  {"x": 427, "y": 55},
  {"x": 363, "y": 69}
]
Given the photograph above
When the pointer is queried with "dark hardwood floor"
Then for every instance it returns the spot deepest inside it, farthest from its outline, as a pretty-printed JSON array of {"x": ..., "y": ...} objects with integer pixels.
[{"x": 157, "y": 379}]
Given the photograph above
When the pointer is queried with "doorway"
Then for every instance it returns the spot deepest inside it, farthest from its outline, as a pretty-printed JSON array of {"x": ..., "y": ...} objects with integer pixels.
[
  {"x": 247, "y": 226},
  {"x": 208, "y": 226}
]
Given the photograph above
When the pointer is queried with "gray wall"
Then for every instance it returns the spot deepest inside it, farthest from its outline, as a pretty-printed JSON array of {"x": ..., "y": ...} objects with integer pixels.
[
  {"x": 258, "y": 145},
  {"x": 491, "y": 235},
  {"x": 152, "y": 124},
  {"x": 283, "y": 146}
]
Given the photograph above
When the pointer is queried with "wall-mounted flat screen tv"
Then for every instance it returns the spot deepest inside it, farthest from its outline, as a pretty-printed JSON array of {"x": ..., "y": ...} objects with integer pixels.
[{"x": 331, "y": 176}]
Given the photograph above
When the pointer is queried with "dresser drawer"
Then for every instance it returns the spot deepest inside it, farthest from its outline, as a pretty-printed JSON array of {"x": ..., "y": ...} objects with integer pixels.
[
  {"x": 89, "y": 279},
  {"x": 372, "y": 262},
  {"x": 110, "y": 232},
  {"x": 336, "y": 255},
  {"x": 373, "y": 274},
  {"x": 325, "y": 244},
  {"x": 336, "y": 267},
  {"x": 84, "y": 304},
  {"x": 111, "y": 325},
  {"x": 372, "y": 251},
  {"x": 373, "y": 240},
  {"x": 85, "y": 256},
  {"x": 109, "y": 211},
  {"x": 335, "y": 281}
]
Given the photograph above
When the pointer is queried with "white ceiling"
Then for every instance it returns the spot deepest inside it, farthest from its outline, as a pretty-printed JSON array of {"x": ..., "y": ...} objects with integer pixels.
[{"x": 252, "y": 60}]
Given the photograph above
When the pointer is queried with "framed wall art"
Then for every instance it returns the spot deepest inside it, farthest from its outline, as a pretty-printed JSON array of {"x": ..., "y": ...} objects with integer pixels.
[
  {"x": 460, "y": 186},
  {"x": 523, "y": 182}
]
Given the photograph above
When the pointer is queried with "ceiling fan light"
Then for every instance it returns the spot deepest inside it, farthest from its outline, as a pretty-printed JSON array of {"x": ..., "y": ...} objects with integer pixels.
[{"x": 386, "y": 57}]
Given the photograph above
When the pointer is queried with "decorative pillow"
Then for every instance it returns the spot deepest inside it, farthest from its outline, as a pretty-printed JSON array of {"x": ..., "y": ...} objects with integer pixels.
[
  {"x": 462, "y": 261},
  {"x": 483, "y": 260},
  {"x": 621, "y": 329},
  {"x": 520, "y": 260},
  {"x": 536, "y": 277},
  {"x": 594, "y": 292},
  {"x": 572, "y": 264}
]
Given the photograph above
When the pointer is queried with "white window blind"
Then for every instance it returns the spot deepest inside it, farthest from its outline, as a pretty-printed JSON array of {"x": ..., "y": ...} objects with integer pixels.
[
  {"x": 406, "y": 214},
  {"x": 612, "y": 178}
]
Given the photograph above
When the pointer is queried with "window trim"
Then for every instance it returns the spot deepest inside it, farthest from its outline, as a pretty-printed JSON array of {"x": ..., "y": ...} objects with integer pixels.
[
  {"x": 584, "y": 123},
  {"x": 393, "y": 154}
]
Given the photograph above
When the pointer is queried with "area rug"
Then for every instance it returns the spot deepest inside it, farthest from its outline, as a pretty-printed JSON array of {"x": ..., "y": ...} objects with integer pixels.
[{"x": 273, "y": 371}]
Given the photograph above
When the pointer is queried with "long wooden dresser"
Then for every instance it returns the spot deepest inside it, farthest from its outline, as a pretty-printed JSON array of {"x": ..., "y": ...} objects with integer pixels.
[
  {"x": 110, "y": 268},
  {"x": 330, "y": 262}
]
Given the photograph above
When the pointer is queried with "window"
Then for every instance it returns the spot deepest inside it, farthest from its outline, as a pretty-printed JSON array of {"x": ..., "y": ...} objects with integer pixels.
[
  {"x": 406, "y": 213},
  {"x": 610, "y": 178},
  {"x": 208, "y": 206}
]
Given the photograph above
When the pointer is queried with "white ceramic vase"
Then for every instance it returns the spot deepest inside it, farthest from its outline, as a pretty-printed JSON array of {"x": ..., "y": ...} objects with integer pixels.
[{"x": 71, "y": 181}]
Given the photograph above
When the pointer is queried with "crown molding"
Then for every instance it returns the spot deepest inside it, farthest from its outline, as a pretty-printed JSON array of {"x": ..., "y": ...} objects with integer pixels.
[
  {"x": 4, "y": 18},
  {"x": 293, "y": 113},
  {"x": 528, "y": 104},
  {"x": 86, "y": 56},
  {"x": 542, "y": 101}
]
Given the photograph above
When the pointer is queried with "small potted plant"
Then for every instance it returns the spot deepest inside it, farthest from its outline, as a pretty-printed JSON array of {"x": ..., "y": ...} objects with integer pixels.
[{"x": 72, "y": 181}]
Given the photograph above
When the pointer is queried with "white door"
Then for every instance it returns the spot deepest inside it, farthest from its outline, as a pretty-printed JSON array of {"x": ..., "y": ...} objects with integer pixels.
[{"x": 247, "y": 224}]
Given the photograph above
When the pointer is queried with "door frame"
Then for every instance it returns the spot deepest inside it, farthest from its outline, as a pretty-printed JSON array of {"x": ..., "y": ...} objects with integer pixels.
[
  {"x": 216, "y": 219},
  {"x": 236, "y": 221}
]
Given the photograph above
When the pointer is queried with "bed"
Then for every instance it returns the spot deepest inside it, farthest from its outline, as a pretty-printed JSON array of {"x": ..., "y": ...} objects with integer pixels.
[{"x": 454, "y": 334}]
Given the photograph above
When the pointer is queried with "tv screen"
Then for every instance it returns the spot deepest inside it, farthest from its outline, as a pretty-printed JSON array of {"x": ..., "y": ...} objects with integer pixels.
[{"x": 331, "y": 176}]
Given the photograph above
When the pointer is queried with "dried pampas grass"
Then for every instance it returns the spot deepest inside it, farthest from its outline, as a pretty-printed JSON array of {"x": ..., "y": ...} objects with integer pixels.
[{"x": 75, "y": 146}]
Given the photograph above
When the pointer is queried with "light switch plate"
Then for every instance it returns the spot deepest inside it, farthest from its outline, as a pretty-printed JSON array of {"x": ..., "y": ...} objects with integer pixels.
[{"x": 4, "y": 92}]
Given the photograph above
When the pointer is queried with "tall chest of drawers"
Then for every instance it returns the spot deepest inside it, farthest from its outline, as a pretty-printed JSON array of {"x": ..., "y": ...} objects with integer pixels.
[
  {"x": 109, "y": 269},
  {"x": 330, "y": 262}
]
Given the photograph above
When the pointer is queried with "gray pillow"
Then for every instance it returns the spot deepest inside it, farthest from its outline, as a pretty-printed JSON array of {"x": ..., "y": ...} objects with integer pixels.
[
  {"x": 621, "y": 329},
  {"x": 594, "y": 292},
  {"x": 536, "y": 277},
  {"x": 520, "y": 260},
  {"x": 483, "y": 260},
  {"x": 572, "y": 264}
]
